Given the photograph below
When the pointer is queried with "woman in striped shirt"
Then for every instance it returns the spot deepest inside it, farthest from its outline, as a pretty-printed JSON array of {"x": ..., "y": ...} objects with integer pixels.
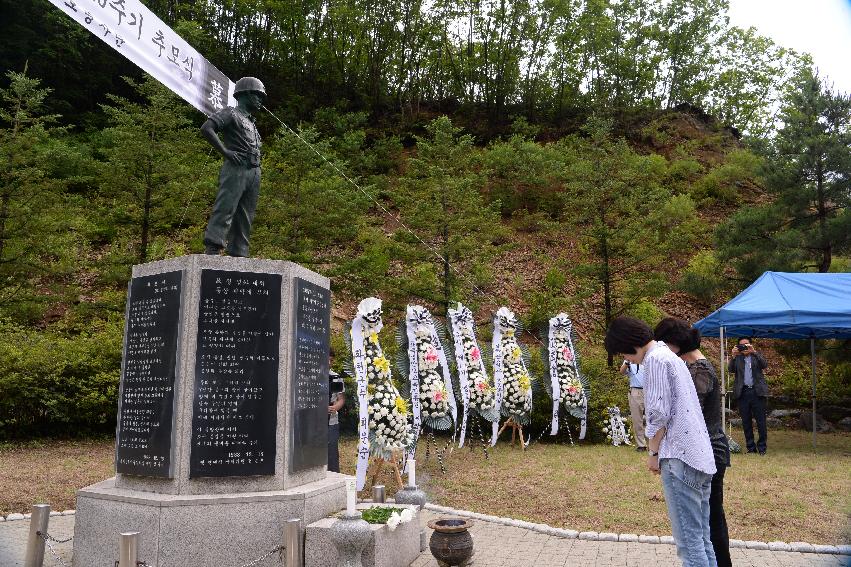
[
  {"x": 677, "y": 439},
  {"x": 684, "y": 341}
]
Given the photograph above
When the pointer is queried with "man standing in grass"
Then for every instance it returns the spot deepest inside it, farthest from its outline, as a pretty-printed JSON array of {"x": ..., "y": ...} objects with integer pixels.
[
  {"x": 678, "y": 443},
  {"x": 636, "y": 401},
  {"x": 750, "y": 391}
]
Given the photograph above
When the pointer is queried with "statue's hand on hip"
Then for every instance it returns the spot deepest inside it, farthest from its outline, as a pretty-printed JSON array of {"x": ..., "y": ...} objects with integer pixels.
[{"x": 234, "y": 157}]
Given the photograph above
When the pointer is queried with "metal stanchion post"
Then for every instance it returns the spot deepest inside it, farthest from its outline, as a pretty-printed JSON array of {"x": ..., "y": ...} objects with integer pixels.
[
  {"x": 293, "y": 537},
  {"x": 128, "y": 549},
  {"x": 35, "y": 543},
  {"x": 378, "y": 494}
]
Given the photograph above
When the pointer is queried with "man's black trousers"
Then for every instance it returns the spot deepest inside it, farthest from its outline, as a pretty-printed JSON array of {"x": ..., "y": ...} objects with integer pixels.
[{"x": 752, "y": 406}]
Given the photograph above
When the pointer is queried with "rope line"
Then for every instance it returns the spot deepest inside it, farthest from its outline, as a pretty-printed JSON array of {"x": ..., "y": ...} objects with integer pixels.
[
  {"x": 194, "y": 187},
  {"x": 396, "y": 218}
]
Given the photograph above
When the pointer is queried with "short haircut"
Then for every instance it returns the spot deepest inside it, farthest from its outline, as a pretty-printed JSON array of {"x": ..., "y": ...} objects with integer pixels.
[
  {"x": 626, "y": 335},
  {"x": 677, "y": 332},
  {"x": 740, "y": 339}
]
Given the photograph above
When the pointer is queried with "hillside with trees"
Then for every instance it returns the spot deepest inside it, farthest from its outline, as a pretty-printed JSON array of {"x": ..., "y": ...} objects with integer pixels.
[{"x": 602, "y": 158}]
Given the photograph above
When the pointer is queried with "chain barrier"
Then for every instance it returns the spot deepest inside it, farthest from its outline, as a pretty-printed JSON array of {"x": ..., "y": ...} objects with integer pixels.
[
  {"x": 47, "y": 538},
  {"x": 279, "y": 550}
]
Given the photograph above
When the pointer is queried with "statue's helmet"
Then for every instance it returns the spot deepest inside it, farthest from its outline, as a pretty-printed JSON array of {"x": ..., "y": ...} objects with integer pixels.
[{"x": 249, "y": 84}]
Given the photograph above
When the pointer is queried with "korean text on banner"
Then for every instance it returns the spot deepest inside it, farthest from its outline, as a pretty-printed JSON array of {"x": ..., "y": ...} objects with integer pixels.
[{"x": 130, "y": 28}]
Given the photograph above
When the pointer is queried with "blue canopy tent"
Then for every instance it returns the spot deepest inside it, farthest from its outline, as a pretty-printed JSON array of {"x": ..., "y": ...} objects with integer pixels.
[{"x": 782, "y": 305}]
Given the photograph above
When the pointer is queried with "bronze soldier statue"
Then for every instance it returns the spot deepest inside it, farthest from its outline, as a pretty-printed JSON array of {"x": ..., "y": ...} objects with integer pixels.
[{"x": 230, "y": 222}]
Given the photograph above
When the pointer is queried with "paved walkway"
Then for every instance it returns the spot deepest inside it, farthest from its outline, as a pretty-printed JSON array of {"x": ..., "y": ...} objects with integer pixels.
[
  {"x": 497, "y": 545},
  {"x": 13, "y": 541}
]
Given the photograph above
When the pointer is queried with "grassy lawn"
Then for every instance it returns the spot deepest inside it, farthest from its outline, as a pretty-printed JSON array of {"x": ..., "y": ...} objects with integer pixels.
[
  {"x": 50, "y": 472},
  {"x": 792, "y": 494}
]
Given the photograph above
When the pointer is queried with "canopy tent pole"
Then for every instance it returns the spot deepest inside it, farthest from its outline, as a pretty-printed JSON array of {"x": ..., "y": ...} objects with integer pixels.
[
  {"x": 723, "y": 382},
  {"x": 813, "y": 352}
]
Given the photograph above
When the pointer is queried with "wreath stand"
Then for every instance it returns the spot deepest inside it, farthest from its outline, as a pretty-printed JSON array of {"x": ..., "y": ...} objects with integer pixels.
[
  {"x": 516, "y": 430},
  {"x": 394, "y": 464},
  {"x": 474, "y": 423}
]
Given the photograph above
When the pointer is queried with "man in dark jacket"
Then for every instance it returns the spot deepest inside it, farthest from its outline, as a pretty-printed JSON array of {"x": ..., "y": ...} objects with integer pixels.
[
  {"x": 337, "y": 398},
  {"x": 750, "y": 390}
]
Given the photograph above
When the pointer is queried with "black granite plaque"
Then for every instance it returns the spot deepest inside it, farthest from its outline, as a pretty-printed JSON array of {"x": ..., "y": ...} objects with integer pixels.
[
  {"x": 143, "y": 444},
  {"x": 311, "y": 337},
  {"x": 234, "y": 412}
]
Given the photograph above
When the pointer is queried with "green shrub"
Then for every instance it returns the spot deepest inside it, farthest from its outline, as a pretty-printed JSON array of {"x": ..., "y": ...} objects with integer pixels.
[
  {"x": 833, "y": 381},
  {"x": 703, "y": 277},
  {"x": 724, "y": 182},
  {"x": 57, "y": 384},
  {"x": 647, "y": 312}
]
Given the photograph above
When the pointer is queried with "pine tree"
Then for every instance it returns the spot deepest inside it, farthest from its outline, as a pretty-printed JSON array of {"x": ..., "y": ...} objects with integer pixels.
[
  {"x": 33, "y": 239},
  {"x": 809, "y": 177},
  {"x": 439, "y": 199},
  {"x": 627, "y": 222},
  {"x": 156, "y": 178}
]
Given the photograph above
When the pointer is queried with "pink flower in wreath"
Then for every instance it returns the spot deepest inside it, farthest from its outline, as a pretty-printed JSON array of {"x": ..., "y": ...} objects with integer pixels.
[
  {"x": 572, "y": 390},
  {"x": 431, "y": 355},
  {"x": 567, "y": 354},
  {"x": 482, "y": 386},
  {"x": 475, "y": 353},
  {"x": 438, "y": 396}
]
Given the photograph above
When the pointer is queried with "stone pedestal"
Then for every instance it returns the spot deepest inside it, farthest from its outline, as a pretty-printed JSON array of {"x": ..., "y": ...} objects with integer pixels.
[
  {"x": 222, "y": 425},
  {"x": 385, "y": 548},
  {"x": 195, "y": 530}
]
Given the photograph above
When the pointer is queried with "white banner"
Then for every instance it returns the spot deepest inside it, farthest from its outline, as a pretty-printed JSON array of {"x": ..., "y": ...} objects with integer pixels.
[
  {"x": 447, "y": 377},
  {"x": 414, "y": 379},
  {"x": 554, "y": 382},
  {"x": 455, "y": 317},
  {"x": 359, "y": 360},
  {"x": 497, "y": 375},
  {"x": 130, "y": 28},
  {"x": 584, "y": 421}
]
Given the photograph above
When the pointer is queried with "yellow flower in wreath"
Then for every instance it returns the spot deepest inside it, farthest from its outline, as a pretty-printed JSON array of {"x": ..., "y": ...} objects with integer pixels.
[
  {"x": 381, "y": 364},
  {"x": 516, "y": 353},
  {"x": 373, "y": 338},
  {"x": 524, "y": 382},
  {"x": 401, "y": 405}
]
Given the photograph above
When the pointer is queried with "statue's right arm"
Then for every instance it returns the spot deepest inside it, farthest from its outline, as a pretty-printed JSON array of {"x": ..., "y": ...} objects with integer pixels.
[{"x": 208, "y": 130}]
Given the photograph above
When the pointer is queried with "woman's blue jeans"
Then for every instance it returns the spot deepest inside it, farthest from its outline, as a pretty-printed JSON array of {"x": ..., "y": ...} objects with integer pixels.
[{"x": 687, "y": 496}]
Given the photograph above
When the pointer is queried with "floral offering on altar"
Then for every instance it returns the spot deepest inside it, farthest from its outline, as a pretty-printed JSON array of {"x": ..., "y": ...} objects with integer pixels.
[
  {"x": 571, "y": 391},
  {"x": 388, "y": 412},
  {"x": 516, "y": 380},
  {"x": 421, "y": 358},
  {"x": 482, "y": 394}
]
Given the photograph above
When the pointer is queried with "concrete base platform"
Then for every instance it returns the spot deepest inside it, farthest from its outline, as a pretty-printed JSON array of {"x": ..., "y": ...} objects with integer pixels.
[
  {"x": 398, "y": 548},
  {"x": 195, "y": 530}
]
